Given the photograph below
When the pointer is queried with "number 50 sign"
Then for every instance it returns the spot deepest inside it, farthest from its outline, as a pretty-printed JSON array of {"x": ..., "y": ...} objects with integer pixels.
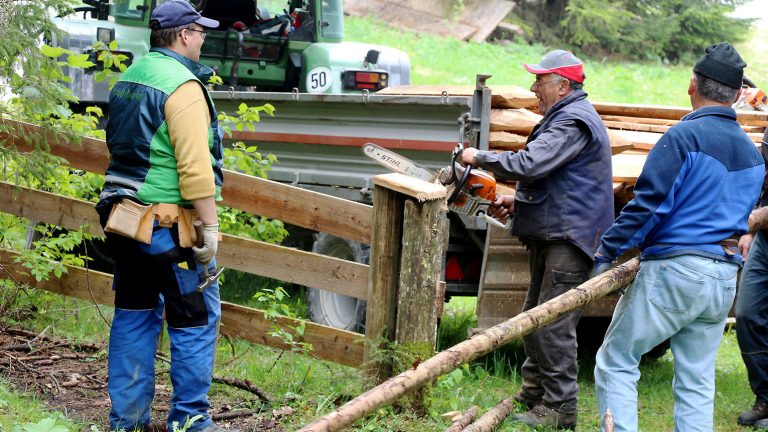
[{"x": 319, "y": 80}]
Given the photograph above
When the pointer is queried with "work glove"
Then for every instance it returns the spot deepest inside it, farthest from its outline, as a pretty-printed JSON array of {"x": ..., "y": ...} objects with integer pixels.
[
  {"x": 602, "y": 265},
  {"x": 205, "y": 254}
]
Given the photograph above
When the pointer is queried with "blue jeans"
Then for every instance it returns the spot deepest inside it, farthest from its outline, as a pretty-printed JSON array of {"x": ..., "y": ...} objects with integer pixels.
[
  {"x": 685, "y": 299},
  {"x": 752, "y": 316}
]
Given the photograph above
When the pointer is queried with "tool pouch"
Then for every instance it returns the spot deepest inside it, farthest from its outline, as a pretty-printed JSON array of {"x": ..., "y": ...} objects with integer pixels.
[
  {"x": 169, "y": 214},
  {"x": 187, "y": 234},
  {"x": 131, "y": 219}
]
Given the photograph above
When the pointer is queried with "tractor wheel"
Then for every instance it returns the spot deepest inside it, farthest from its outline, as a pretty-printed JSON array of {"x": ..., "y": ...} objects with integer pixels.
[{"x": 331, "y": 309}]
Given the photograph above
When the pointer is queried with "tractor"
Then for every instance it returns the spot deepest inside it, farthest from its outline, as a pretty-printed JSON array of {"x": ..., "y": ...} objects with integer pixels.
[{"x": 301, "y": 48}]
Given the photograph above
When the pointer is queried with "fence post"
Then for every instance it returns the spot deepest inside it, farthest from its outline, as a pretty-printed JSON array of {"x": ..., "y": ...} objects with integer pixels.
[{"x": 409, "y": 237}]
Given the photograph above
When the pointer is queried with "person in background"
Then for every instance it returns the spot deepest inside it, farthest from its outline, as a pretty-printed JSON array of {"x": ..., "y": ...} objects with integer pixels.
[
  {"x": 165, "y": 149},
  {"x": 563, "y": 204},
  {"x": 692, "y": 199},
  {"x": 752, "y": 314}
]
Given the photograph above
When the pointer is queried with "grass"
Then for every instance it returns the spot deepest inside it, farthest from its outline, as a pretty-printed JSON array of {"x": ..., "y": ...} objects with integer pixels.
[
  {"x": 18, "y": 408},
  {"x": 313, "y": 388}
]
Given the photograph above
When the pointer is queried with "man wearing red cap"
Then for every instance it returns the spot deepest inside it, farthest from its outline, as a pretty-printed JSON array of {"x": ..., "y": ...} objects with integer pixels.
[{"x": 563, "y": 204}]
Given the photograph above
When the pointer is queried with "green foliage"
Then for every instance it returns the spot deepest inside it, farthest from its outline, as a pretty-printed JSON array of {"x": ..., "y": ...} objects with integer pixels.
[
  {"x": 674, "y": 30},
  {"x": 53, "y": 252},
  {"x": 45, "y": 425},
  {"x": 112, "y": 62},
  {"x": 275, "y": 307},
  {"x": 30, "y": 74}
]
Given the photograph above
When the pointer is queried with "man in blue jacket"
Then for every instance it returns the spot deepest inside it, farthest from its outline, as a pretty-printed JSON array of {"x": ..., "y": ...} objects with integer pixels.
[
  {"x": 563, "y": 204},
  {"x": 692, "y": 200}
]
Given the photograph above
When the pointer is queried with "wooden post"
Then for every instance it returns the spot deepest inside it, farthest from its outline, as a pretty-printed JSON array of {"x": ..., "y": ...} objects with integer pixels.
[
  {"x": 407, "y": 245},
  {"x": 383, "y": 278}
]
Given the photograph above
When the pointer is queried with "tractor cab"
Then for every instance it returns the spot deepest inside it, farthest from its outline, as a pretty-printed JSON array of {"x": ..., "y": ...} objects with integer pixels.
[
  {"x": 255, "y": 48},
  {"x": 269, "y": 45}
]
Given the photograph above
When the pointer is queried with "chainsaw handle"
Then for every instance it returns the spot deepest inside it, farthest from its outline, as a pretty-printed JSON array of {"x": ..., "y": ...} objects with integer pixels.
[{"x": 458, "y": 182}]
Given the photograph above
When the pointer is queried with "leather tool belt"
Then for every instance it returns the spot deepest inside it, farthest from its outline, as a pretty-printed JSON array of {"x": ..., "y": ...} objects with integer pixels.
[{"x": 136, "y": 221}]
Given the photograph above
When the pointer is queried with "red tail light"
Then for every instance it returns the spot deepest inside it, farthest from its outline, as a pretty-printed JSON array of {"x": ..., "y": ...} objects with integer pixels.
[{"x": 364, "y": 80}]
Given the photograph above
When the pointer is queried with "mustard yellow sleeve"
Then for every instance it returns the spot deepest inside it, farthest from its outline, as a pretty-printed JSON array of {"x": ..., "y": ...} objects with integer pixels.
[{"x": 189, "y": 125}]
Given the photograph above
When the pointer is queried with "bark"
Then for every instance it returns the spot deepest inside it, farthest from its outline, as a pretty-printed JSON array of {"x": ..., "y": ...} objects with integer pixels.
[
  {"x": 243, "y": 385},
  {"x": 476, "y": 346},
  {"x": 467, "y": 418},
  {"x": 493, "y": 418}
]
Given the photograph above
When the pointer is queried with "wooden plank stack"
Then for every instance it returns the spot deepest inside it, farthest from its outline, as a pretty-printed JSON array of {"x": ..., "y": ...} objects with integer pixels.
[{"x": 633, "y": 128}]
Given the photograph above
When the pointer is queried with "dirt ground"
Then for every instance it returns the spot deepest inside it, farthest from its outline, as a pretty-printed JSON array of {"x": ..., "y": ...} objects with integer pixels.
[{"x": 72, "y": 378}]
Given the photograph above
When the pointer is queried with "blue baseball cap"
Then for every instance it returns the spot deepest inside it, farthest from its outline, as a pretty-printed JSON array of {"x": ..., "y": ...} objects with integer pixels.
[{"x": 177, "y": 13}]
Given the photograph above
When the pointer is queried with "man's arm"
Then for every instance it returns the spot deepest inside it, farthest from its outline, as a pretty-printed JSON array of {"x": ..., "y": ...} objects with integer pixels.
[
  {"x": 553, "y": 148},
  {"x": 654, "y": 197},
  {"x": 188, "y": 120}
]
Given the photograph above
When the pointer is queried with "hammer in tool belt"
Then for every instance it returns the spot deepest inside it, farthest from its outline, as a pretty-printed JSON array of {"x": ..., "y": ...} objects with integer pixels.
[{"x": 207, "y": 278}]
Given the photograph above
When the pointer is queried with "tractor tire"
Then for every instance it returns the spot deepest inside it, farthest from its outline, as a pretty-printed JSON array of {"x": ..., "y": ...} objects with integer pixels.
[{"x": 331, "y": 309}]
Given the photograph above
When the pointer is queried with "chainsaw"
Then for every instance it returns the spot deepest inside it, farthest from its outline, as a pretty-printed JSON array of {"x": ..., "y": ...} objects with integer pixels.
[
  {"x": 751, "y": 97},
  {"x": 473, "y": 190}
]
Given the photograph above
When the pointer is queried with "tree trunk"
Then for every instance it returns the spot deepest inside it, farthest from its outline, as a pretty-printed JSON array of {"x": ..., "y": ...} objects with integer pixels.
[{"x": 476, "y": 346}]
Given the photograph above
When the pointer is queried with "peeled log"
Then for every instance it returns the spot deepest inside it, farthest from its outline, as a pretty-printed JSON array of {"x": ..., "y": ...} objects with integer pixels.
[
  {"x": 493, "y": 418},
  {"x": 464, "y": 421},
  {"x": 478, "y": 345}
]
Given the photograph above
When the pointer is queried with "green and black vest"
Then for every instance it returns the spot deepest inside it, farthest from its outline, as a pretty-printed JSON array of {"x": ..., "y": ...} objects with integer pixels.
[{"x": 142, "y": 161}]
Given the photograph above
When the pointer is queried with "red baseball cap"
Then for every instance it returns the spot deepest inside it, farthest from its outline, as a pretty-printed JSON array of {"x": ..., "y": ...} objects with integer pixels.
[{"x": 560, "y": 62}]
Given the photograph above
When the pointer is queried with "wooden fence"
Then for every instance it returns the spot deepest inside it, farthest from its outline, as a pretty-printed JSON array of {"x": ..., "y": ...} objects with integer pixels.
[{"x": 292, "y": 205}]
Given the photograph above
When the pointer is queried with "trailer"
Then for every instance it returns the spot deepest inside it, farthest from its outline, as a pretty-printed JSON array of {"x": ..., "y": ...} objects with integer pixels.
[{"x": 317, "y": 140}]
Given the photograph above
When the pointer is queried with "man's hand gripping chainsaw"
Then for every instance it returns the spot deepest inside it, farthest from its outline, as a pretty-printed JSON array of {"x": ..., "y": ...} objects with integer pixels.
[{"x": 474, "y": 191}]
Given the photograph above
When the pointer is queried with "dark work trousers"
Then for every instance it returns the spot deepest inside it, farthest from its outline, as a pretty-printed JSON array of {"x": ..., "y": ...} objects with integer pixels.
[
  {"x": 752, "y": 316},
  {"x": 149, "y": 279},
  {"x": 550, "y": 369}
]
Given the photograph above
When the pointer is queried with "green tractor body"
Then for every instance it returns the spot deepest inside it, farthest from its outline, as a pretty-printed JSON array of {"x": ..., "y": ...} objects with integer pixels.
[{"x": 300, "y": 48}]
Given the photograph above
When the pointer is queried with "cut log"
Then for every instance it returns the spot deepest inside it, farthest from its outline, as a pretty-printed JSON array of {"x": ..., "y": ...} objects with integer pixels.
[
  {"x": 641, "y": 120},
  {"x": 750, "y": 118},
  {"x": 618, "y": 143},
  {"x": 506, "y": 141},
  {"x": 468, "y": 417},
  {"x": 517, "y": 120},
  {"x": 493, "y": 418},
  {"x": 413, "y": 187},
  {"x": 476, "y": 346}
]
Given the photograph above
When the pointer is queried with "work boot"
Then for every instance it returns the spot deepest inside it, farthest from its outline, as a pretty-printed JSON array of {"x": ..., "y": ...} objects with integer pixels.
[
  {"x": 526, "y": 401},
  {"x": 759, "y": 411},
  {"x": 547, "y": 417},
  {"x": 761, "y": 424}
]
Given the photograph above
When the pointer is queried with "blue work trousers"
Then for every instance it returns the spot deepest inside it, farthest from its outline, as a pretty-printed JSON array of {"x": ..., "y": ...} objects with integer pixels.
[
  {"x": 752, "y": 316},
  {"x": 148, "y": 280},
  {"x": 685, "y": 299}
]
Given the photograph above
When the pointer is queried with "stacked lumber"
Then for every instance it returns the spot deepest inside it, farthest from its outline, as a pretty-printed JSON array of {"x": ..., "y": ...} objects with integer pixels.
[{"x": 633, "y": 128}]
